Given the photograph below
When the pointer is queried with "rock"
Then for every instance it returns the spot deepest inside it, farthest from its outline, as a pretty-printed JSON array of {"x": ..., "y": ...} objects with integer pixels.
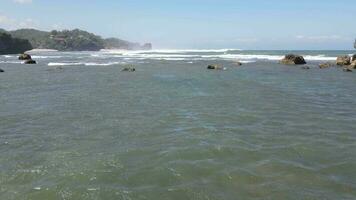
[
  {"x": 325, "y": 65},
  {"x": 1, "y": 70},
  {"x": 238, "y": 63},
  {"x": 216, "y": 67},
  {"x": 30, "y": 62},
  {"x": 305, "y": 67},
  {"x": 347, "y": 69},
  {"x": 353, "y": 65},
  {"x": 25, "y": 57},
  {"x": 343, "y": 60},
  {"x": 354, "y": 57},
  {"x": 129, "y": 69},
  {"x": 292, "y": 59}
]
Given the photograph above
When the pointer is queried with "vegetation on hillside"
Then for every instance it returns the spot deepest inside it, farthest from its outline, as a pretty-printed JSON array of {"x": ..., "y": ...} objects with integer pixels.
[
  {"x": 10, "y": 45},
  {"x": 72, "y": 40}
]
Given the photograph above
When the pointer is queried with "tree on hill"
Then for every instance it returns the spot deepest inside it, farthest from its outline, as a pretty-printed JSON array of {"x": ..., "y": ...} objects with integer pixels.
[{"x": 10, "y": 45}]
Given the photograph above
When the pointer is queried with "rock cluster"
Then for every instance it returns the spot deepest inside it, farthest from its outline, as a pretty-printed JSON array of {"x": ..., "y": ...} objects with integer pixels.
[
  {"x": 128, "y": 69},
  {"x": 27, "y": 58},
  {"x": 348, "y": 62},
  {"x": 325, "y": 65},
  {"x": 292, "y": 59},
  {"x": 216, "y": 67}
]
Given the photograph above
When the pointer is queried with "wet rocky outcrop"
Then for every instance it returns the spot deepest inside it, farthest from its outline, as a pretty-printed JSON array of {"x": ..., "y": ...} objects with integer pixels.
[
  {"x": 325, "y": 65},
  {"x": 30, "y": 62},
  {"x": 343, "y": 60},
  {"x": 128, "y": 69},
  {"x": 292, "y": 59},
  {"x": 25, "y": 56},
  {"x": 215, "y": 67}
]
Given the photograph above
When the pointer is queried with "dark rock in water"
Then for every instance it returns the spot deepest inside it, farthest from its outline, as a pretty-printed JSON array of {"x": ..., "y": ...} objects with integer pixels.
[
  {"x": 325, "y": 65},
  {"x": 129, "y": 69},
  {"x": 292, "y": 59},
  {"x": 1, "y": 70},
  {"x": 215, "y": 67},
  {"x": 25, "y": 57},
  {"x": 30, "y": 62},
  {"x": 347, "y": 69},
  {"x": 305, "y": 67},
  {"x": 238, "y": 63},
  {"x": 354, "y": 57},
  {"x": 343, "y": 60}
]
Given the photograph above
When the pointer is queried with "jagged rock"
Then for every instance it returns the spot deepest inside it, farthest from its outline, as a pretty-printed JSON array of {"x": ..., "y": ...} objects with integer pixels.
[
  {"x": 129, "y": 69},
  {"x": 325, "y": 65},
  {"x": 215, "y": 67},
  {"x": 343, "y": 60},
  {"x": 305, "y": 67},
  {"x": 292, "y": 59},
  {"x": 25, "y": 57},
  {"x": 1, "y": 70},
  {"x": 30, "y": 62}
]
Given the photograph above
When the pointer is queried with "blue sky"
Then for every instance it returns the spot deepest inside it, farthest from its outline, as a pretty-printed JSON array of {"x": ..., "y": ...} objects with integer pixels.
[{"x": 252, "y": 24}]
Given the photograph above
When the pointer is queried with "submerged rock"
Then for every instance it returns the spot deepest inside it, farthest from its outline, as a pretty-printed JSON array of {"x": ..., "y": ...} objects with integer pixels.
[
  {"x": 343, "y": 60},
  {"x": 347, "y": 69},
  {"x": 128, "y": 69},
  {"x": 325, "y": 65},
  {"x": 25, "y": 57},
  {"x": 30, "y": 62},
  {"x": 215, "y": 67},
  {"x": 238, "y": 63},
  {"x": 305, "y": 67},
  {"x": 292, "y": 59},
  {"x": 1, "y": 70}
]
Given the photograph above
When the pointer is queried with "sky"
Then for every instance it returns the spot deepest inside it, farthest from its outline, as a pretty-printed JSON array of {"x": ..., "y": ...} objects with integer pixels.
[{"x": 196, "y": 24}]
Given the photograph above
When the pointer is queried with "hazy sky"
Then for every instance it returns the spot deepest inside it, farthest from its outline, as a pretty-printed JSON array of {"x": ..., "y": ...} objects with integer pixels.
[{"x": 247, "y": 24}]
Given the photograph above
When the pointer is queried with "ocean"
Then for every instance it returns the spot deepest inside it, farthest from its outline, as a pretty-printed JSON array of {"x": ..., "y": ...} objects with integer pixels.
[{"x": 75, "y": 126}]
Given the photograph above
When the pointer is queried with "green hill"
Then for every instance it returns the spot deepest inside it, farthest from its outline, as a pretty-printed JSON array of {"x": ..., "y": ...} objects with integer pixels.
[
  {"x": 73, "y": 40},
  {"x": 10, "y": 45}
]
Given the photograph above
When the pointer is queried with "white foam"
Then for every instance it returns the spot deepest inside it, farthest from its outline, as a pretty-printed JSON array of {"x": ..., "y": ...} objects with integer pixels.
[
  {"x": 42, "y": 50},
  {"x": 101, "y": 64},
  {"x": 83, "y": 63},
  {"x": 319, "y": 58},
  {"x": 63, "y": 64},
  {"x": 12, "y": 62},
  {"x": 45, "y": 57},
  {"x": 170, "y": 51}
]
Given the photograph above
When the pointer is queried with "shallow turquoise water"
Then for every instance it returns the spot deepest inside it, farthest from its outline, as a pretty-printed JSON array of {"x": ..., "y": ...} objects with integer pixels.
[{"x": 173, "y": 130}]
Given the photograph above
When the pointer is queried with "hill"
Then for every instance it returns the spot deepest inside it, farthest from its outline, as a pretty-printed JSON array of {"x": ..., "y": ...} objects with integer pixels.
[
  {"x": 73, "y": 40},
  {"x": 10, "y": 45}
]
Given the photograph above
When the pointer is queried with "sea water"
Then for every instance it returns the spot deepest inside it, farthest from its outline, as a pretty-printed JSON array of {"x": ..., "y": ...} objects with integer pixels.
[{"x": 75, "y": 126}]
